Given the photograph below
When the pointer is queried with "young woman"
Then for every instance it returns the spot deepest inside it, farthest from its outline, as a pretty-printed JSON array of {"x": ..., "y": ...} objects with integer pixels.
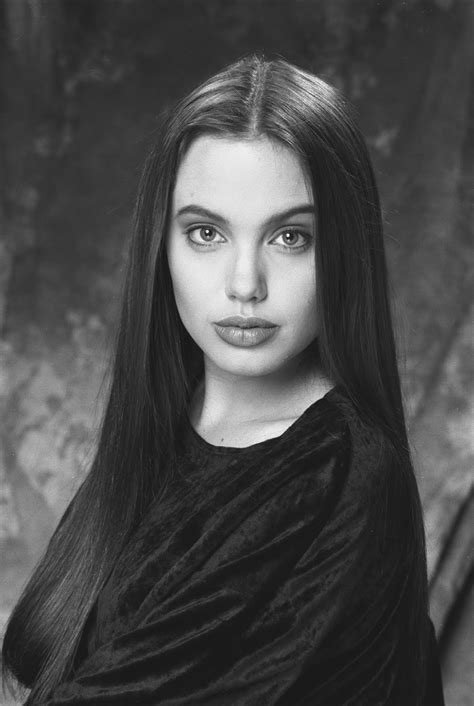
[{"x": 250, "y": 531}]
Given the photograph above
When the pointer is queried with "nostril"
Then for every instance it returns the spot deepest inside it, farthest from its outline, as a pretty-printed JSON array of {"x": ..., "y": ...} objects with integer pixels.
[{"x": 246, "y": 288}]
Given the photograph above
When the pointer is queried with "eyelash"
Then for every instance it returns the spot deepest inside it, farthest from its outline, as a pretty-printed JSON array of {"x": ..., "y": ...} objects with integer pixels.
[{"x": 296, "y": 231}]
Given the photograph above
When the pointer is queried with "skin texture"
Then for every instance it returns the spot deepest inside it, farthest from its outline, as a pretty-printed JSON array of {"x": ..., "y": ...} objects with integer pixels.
[{"x": 235, "y": 263}]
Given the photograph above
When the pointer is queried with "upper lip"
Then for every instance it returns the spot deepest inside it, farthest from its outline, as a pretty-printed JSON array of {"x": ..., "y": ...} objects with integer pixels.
[{"x": 245, "y": 322}]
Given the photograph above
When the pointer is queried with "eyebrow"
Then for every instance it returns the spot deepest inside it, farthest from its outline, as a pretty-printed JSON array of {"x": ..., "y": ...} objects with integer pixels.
[{"x": 194, "y": 209}]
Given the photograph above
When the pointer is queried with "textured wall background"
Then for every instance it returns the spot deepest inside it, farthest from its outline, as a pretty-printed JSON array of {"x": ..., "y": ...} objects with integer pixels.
[{"x": 81, "y": 84}]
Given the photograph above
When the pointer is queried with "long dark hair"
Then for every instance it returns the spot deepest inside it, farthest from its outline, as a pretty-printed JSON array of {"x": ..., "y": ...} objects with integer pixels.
[{"x": 157, "y": 364}]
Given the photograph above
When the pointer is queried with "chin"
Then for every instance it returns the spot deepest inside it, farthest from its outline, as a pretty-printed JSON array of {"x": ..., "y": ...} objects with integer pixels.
[{"x": 247, "y": 364}]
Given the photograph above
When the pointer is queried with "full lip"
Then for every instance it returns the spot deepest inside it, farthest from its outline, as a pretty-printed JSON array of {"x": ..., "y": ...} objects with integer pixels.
[{"x": 246, "y": 322}]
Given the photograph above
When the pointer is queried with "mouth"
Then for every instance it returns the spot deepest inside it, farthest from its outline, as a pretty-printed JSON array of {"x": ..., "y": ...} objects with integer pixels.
[
  {"x": 245, "y": 331},
  {"x": 245, "y": 322}
]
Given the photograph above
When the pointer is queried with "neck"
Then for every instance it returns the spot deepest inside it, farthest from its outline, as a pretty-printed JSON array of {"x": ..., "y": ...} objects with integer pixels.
[{"x": 222, "y": 396}]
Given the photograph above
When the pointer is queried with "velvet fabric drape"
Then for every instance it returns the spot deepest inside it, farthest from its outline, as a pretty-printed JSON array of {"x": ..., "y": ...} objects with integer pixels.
[{"x": 274, "y": 575}]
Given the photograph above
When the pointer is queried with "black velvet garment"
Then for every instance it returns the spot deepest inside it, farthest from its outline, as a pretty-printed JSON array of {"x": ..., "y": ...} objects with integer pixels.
[{"x": 270, "y": 575}]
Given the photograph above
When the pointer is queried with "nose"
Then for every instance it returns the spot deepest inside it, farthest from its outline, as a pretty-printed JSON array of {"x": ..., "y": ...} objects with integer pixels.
[{"x": 246, "y": 279}]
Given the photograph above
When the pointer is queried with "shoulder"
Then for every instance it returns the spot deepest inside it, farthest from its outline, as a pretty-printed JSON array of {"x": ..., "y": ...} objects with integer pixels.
[
  {"x": 377, "y": 477},
  {"x": 380, "y": 483},
  {"x": 332, "y": 438},
  {"x": 366, "y": 443}
]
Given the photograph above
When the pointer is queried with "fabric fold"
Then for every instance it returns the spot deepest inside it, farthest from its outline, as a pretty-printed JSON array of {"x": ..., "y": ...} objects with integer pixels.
[{"x": 271, "y": 575}]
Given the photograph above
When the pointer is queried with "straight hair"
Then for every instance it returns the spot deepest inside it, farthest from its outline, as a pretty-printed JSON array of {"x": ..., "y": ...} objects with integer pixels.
[{"x": 156, "y": 363}]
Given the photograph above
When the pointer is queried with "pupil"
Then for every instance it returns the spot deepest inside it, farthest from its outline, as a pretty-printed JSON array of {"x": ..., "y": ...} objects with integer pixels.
[
  {"x": 289, "y": 236},
  {"x": 207, "y": 233}
]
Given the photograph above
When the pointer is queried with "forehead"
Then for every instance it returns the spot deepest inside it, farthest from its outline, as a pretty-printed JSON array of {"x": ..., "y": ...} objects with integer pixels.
[{"x": 227, "y": 173}]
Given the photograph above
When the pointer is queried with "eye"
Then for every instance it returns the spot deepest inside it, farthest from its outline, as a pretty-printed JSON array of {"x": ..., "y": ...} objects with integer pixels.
[
  {"x": 203, "y": 236},
  {"x": 293, "y": 239}
]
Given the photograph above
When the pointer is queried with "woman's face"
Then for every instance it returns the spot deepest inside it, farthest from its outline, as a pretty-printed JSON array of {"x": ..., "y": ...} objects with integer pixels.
[{"x": 241, "y": 243}]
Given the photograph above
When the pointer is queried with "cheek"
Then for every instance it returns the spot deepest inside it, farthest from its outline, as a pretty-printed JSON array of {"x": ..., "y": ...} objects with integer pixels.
[
  {"x": 298, "y": 294},
  {"x": 185, "y": 292},
  {"x": 178, "y": 279},
  {"x": 191, "y": 289}
]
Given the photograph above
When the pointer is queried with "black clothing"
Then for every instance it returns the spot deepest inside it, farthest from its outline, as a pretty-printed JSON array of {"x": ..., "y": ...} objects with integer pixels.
[{"x": 268, "y": 575}]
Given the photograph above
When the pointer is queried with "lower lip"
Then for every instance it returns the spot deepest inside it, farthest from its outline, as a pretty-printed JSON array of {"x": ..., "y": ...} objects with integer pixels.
[{"x": 245, "y": 337}]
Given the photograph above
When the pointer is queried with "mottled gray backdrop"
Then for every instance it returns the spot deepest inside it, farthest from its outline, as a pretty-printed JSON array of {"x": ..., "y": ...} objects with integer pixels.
[{"x": 81, "y": 85}]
